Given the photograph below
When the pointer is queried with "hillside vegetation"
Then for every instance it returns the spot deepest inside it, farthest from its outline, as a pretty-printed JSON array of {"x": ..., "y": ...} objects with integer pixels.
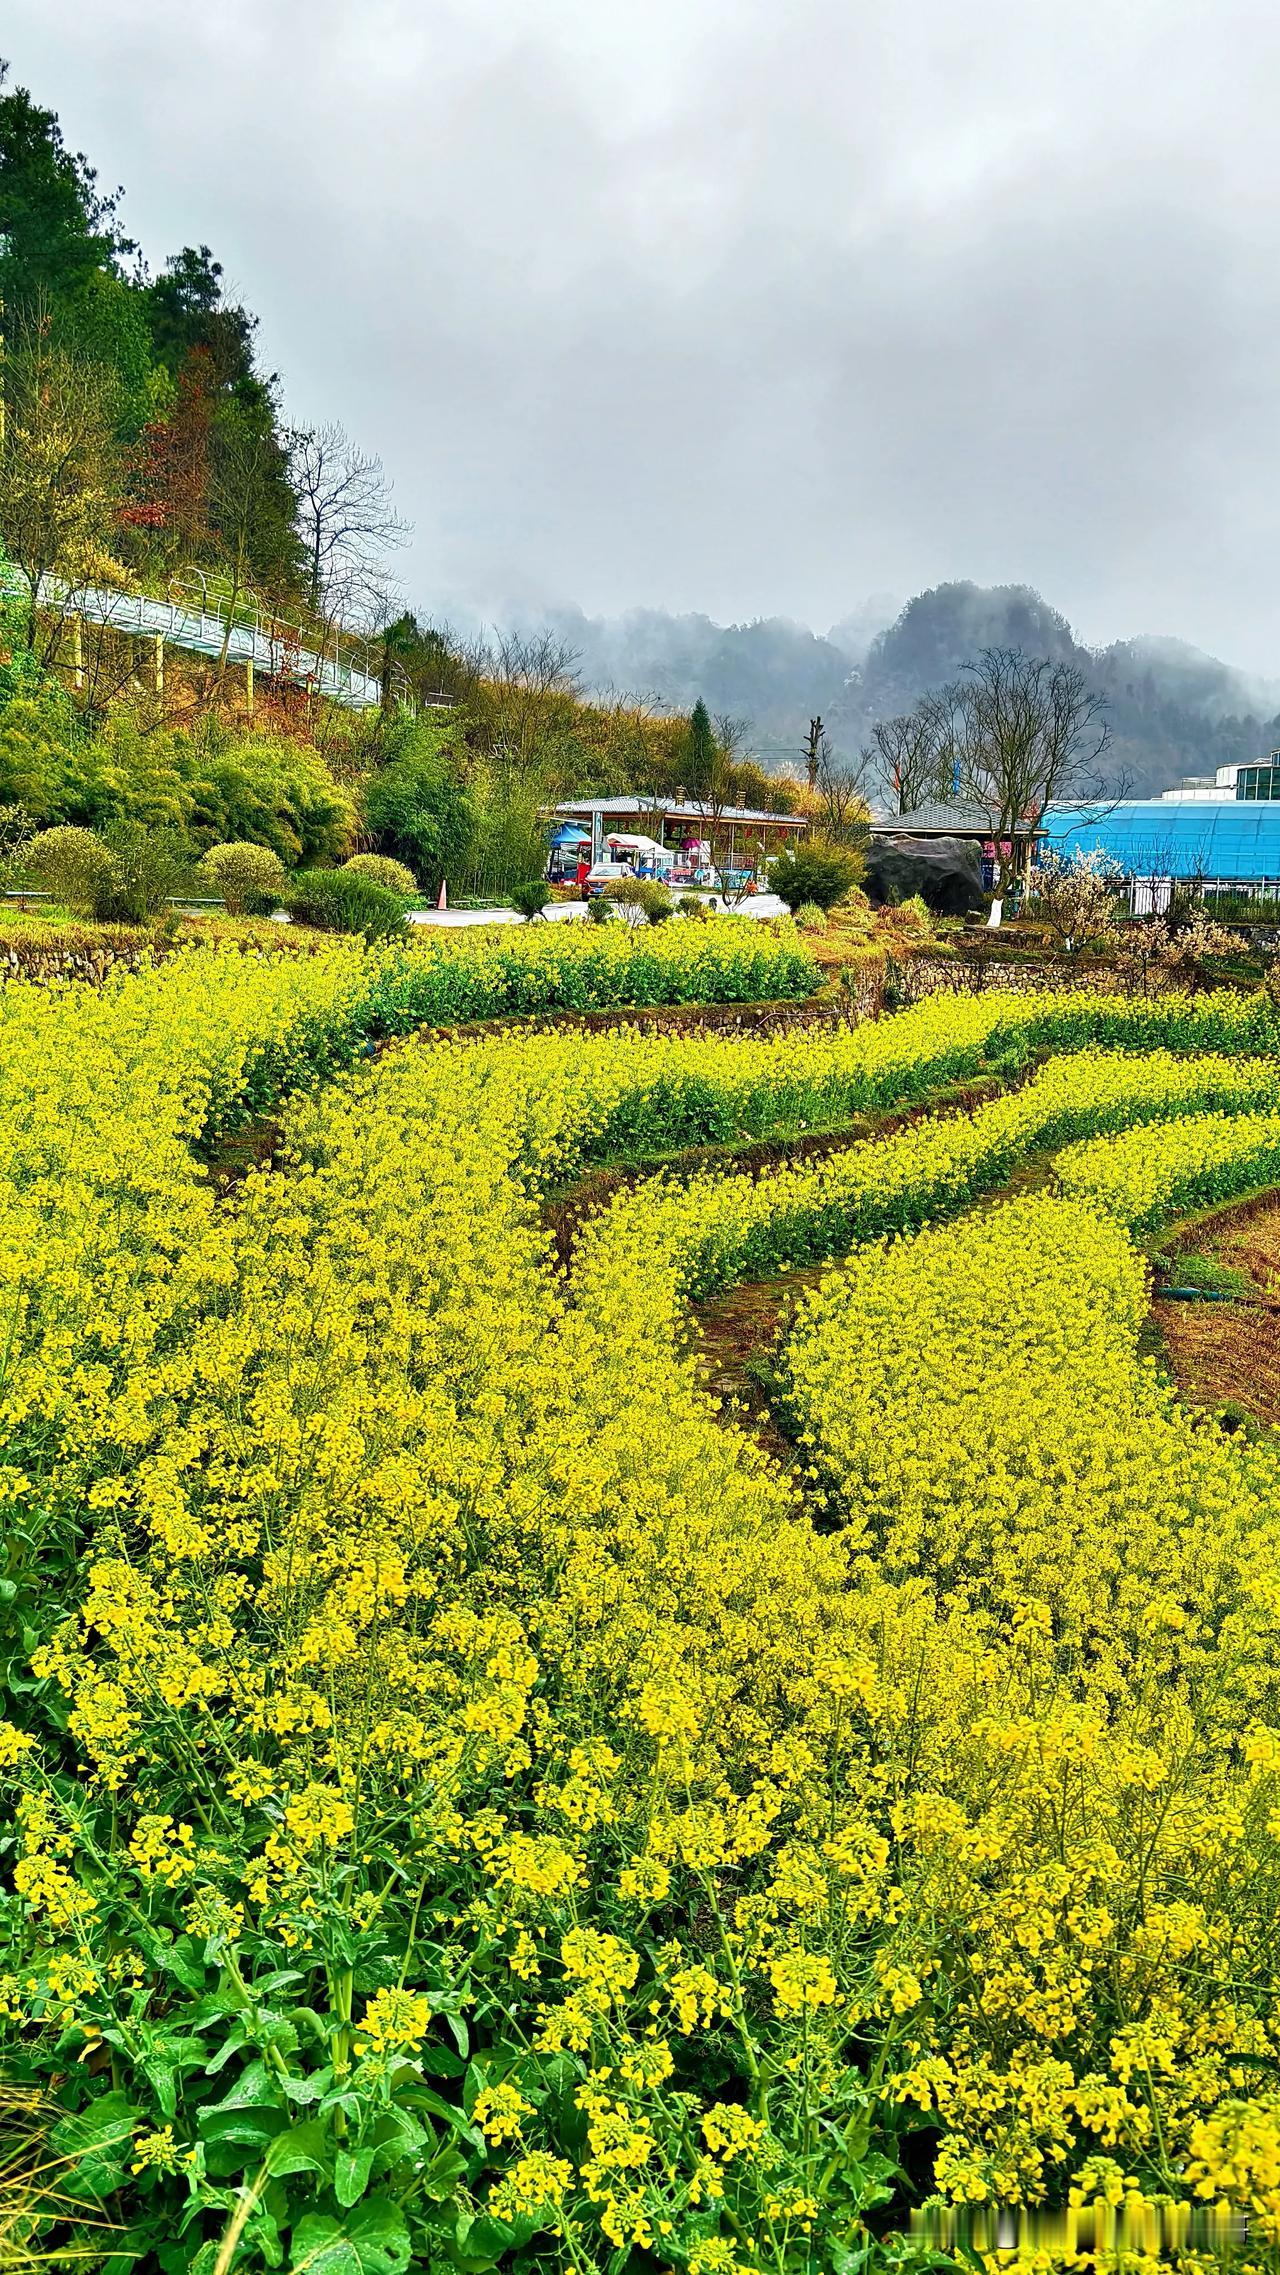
[{"x": 145, "y": 447}]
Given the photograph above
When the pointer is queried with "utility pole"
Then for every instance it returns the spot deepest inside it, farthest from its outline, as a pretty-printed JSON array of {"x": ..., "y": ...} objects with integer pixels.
[{"x": 814, "y": 743}]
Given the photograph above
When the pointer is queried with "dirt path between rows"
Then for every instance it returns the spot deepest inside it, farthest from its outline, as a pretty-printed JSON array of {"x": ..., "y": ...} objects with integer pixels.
[
  {"x": 565, "y": 1214},
  {"x": 1227, "y": 1354}
]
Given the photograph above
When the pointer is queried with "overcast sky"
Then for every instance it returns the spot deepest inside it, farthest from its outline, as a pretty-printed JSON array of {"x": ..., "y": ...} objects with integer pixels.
[{"x": 744, "y": 307}]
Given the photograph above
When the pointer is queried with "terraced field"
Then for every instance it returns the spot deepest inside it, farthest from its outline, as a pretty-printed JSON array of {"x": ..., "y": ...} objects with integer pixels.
[{"x": 480, "y": 1801}]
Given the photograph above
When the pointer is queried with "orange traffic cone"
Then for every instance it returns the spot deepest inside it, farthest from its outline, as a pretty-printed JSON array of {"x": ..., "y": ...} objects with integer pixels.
[{"x": 443, "y": 901}]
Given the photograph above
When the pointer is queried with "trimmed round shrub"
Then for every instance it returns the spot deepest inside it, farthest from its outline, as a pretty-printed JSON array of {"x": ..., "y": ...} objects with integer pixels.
[
  {"x": 73, "y": 865},
  {"x": 810, "y": 917},
  {"x": 656, "y": 901},
  {"x": 692, "y": 904},
  {"x": 639, "y": 897},
  {"x": 530, "y": 899},
  {"x": 816, "y": 872},
  {"x": 335, "y": 901},
  {"x": 599, "y": 911},
  {"x": 250, "y": 878},
  {"x": 393, "y": 876}
]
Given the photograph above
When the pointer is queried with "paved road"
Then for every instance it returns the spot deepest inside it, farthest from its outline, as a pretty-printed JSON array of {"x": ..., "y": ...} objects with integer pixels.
[{"x": 760, "y": 904}]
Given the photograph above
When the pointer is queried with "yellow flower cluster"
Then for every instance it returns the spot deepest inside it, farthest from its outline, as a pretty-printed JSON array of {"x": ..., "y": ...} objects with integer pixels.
[
  {"x": 976, "y": 1406},
  {"x": 686, "y": 1239},
  {"x": 427, "y": 1587},
  {"x": 498, "y": 969},
  {"x": 1144, "y": 1180},
  {"x": 1086, "y": 1850}
]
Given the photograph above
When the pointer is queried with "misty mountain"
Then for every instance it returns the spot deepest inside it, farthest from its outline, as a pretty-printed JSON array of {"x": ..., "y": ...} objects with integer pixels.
[
  {"x": 773, "y": 674},
  {"x": 1172, "y": 709}
]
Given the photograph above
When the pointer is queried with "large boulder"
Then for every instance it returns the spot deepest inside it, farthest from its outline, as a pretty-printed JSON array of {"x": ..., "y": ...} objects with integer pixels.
[{"x": 945, "y": 871}]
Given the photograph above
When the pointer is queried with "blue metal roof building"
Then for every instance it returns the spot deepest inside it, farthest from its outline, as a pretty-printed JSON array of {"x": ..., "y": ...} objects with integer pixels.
[{"x": 1232, "y": 840}]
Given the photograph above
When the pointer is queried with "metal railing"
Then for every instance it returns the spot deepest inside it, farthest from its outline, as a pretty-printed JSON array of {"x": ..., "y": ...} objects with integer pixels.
[
  {"x": 345, "y": 667},
  {"x": 1151, "y": 895}
]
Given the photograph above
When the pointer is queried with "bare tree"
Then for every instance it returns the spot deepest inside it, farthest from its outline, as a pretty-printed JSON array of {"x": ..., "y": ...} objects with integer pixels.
[
  {"x": 529, "y": 676},
  {"x": 732, "y": 734},
  {"x": 846, "y": 815},
  {"x": 1028, "y": 731},
  {"x": 242, "y": 481},
  {"x": 1153, "y": 954},
  {"x": 914, "y": 753},
  {"x": 817, "y": 747},
  {"x": 629, "y": 717},
  {"x": 346, "y": 520}
]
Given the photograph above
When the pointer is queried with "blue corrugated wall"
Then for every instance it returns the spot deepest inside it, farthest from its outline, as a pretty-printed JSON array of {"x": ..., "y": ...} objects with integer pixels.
[{"x": 1239, "y": 838}]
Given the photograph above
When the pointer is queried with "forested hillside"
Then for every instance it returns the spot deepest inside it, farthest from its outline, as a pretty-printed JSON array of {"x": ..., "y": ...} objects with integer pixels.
[
  {"x": 142, "y": 431},
  {"x": 1172, "y": 710},
  {"x": 144, "y": 448}
]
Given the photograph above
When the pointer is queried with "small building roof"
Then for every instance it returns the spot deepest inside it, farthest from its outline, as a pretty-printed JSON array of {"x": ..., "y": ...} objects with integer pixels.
[
  {"x": 671, "y": 810},
  {"x": 938, "y": 817}
]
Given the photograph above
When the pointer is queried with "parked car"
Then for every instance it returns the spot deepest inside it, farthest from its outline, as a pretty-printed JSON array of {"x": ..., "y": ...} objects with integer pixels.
[{"x": 606, "y": 873}]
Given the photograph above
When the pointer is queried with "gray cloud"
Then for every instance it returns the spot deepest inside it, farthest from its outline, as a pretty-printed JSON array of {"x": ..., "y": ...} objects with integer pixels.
[{"x": 741, "y": 308}]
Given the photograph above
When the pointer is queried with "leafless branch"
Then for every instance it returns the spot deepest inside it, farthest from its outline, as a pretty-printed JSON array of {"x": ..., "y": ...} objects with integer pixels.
[{"x": 346, "y": 520}]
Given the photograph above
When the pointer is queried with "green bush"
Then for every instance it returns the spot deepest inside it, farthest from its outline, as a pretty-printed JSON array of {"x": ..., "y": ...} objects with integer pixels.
[
  {"x": 333, "y": 900},
  {"x": 909, "y": 919},
  {"x": 692, "y": 904},
  {"x": 147, "y": 866},
  {"x": 530, "y": 899},
  {"x": 250, "y": 878},
  {"x": 656, "y": 901},
  {"x": 810, "y": 917},
  {"x": 640, "y": 897},
  {"x": 626, "y": 894},
  {"x": 16, "y": 831},
  {"x": 509, "y": 829},
  {"x": 815, "y": 872},
  {"x": 599, "y": 911},
  {"x": 73, "y": 865},
  {"x": 417, "y": 806},
  {"x": 269, "y": 789},
  {"x": 214, "y": 785},
  {"x": 36, "y": 757},
  {"x": 393, "y": 875}
]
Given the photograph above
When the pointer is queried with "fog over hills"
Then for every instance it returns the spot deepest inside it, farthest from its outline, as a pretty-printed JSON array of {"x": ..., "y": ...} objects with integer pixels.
[{"x": 1173, "y": 710}]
